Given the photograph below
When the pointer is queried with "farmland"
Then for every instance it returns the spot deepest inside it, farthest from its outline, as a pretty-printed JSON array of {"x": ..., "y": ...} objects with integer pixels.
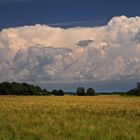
[{"x": 69, "y": 118}]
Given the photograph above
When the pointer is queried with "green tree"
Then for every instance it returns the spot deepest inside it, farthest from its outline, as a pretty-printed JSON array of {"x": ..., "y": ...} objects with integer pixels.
[
  {"x": 80, "y": 91},
  {"x": 138, "y": 86},
  {"x": 134, "y": 91},
  {"x": 60, "y": 92},
  {"x": 54, "y": 92},
  {"x": 91, "y": 92}
]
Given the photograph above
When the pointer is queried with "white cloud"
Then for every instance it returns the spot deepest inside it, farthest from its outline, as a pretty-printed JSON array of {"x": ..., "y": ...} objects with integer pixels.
[{"x": 46, "y": 54}]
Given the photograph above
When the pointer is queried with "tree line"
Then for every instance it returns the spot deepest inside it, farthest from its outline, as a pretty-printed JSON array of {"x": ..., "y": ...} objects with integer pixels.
[{"x": 14, "y": 88}]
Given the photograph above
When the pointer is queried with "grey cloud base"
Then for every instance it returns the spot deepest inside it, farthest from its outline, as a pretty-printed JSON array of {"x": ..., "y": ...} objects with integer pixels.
[{"x": 44, "y": 54}]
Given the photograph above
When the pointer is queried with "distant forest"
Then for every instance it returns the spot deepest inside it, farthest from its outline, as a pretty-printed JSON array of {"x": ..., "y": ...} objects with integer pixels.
[{"x": 14, "y": 88}]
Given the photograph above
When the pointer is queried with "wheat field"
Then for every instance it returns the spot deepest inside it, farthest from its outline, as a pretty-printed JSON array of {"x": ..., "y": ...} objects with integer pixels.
[{"x": 69, "y": 118}]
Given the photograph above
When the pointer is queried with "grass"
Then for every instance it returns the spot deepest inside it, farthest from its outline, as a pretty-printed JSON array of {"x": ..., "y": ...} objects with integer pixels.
[{"x": 69, "y": 118}]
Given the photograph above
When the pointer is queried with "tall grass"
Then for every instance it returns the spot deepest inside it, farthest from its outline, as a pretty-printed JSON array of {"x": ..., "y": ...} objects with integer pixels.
[{"x": 69, "y": 118}]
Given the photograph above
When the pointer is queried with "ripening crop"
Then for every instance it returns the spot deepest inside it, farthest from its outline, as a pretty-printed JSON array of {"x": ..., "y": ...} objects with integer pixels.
[{"x": 69, "y": 118}]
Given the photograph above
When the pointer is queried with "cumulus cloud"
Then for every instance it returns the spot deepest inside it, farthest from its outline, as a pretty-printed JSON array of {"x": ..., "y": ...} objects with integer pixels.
[{"x": 45, "y": 54}]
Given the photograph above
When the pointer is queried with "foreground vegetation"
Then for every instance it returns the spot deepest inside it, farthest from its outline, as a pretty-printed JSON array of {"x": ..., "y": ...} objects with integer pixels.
[{"x": 69, "y": 118}]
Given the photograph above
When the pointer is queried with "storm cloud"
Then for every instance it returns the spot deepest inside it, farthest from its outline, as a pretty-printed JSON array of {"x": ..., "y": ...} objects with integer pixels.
[{"x": 50, "y": 54}]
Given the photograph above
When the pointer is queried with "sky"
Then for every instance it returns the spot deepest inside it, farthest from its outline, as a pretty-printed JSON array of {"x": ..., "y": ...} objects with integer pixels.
[
  {"x": 70, "y": 43},
  {"x": 64, "y": 13}
]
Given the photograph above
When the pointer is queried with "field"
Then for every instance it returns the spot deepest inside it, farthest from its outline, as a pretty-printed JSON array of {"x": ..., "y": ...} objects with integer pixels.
[{"x": 69, "y": 118}]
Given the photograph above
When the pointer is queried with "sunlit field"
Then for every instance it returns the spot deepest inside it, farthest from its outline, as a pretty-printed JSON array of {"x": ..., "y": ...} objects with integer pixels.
[{"x": 69, "y": 118}]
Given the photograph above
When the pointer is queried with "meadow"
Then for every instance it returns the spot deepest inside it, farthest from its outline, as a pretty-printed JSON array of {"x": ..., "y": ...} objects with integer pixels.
[{"x": 69, "y": 118}]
